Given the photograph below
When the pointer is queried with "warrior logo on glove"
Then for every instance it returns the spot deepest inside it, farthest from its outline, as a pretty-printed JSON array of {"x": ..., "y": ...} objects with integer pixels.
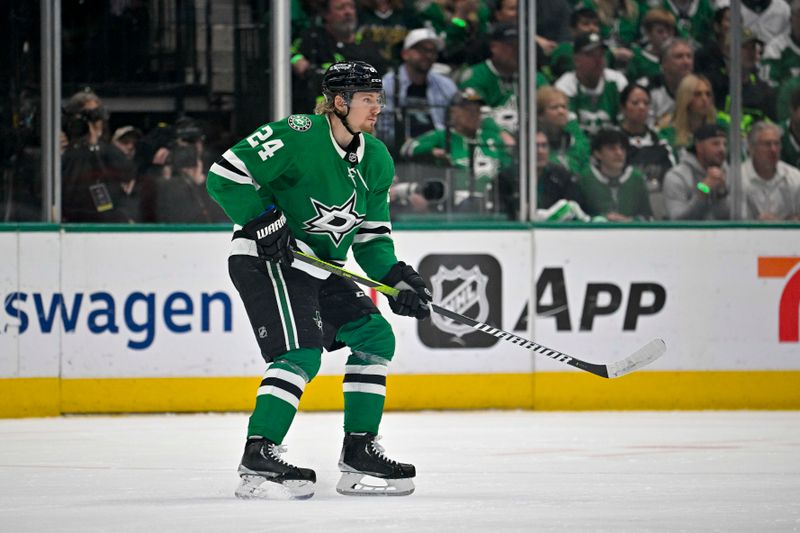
[
  {"x": 414, "y": 294},
  {"x": 273, "y": 237}
]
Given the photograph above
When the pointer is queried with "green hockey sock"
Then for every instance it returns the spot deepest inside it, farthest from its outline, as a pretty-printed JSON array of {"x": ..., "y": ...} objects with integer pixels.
[
  {"x": 280, "y": 392},
  {"x": 364, "y": 389}
]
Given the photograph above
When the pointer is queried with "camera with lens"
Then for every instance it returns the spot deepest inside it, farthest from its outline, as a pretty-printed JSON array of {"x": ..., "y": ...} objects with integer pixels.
[
  {"x": 432, "y": 190},
  {"x": 76, "y": 124}
]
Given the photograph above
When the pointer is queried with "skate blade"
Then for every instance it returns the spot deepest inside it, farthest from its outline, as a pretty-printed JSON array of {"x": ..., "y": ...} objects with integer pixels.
[
  {"x": 356, "y": 484},
  {"x": 260, "y": 488}
]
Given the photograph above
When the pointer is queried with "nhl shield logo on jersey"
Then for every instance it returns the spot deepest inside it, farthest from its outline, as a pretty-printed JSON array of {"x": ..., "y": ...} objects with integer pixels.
[
  {"x": 469, "y": 284},
  {"x": 299, "y": 122},
  {"x": 335, "y": 221}
]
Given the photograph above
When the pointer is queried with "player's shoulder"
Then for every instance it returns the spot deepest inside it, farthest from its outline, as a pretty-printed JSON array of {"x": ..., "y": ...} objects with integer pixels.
[
  {"x": 298, "y": 125},
  {"x": 374, "y": 147}
]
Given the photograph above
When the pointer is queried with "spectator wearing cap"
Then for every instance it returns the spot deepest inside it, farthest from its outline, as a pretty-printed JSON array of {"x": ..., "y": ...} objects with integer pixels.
[
  {"x": 696, "y": 188},
  {"x": 610, "y": 187},
  {"x": 620, "y": 24},
  {"x": 125, "y": 139},
  {"x": 677, "y": 61},
  {"x": 658, "y": 26},
  {"x": 470, "y": 143},
  {"x": 416, "y": 96},
  {"x": 562, "y": 60},
  {"x": 772, "y": 187},
  {"x": 496, "y": 79},
  {"x": 593, "y": 89}
]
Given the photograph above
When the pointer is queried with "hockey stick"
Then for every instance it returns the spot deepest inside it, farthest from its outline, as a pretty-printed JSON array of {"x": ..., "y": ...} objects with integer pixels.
[{"x": 638, "y": 359}]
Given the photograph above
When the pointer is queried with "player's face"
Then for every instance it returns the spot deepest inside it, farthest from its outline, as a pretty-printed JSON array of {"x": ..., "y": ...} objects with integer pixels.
[{"x": 364, "y": 110}]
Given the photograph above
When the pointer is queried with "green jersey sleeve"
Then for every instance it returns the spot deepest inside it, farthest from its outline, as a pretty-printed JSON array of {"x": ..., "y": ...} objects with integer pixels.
[
  {"x": 239, "y": 180},
  {"x": 424, "y": 144}
]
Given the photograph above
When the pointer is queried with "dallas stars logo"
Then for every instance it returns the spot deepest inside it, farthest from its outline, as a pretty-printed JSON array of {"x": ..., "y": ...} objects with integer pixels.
[
  {"x": 335, "y": 221},
  {"x": 299, "y": 122}
]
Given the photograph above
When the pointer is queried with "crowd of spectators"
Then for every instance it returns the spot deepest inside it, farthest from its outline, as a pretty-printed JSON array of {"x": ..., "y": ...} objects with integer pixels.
[
  {"x": 632, "y": 109},
  {"x": 632, "y": 103}
]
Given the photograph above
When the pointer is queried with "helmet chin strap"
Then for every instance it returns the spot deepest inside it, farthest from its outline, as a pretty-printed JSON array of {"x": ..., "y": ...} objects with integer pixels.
[{"x": 343, "y": 117}]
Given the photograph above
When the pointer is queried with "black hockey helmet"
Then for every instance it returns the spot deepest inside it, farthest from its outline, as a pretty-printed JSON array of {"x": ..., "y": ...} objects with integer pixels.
[{"x": 348, "y": 77}]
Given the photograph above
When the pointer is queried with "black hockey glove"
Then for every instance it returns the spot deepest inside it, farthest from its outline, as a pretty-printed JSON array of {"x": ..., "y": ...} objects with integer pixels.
[
  {"x": 414, "y": 294},
  {"x": 273, "y": 238}
]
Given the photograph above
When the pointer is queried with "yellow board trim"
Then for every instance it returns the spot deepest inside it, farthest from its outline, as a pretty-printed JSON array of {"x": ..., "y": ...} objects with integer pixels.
[
  {"x": 546, "y": 391},
  {"x": 25, "y": 397}
]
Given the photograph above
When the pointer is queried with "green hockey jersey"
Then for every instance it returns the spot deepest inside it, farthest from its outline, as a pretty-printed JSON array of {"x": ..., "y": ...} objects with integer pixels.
[
  {"x": 330, "y": 204},
  {"x": 497, "y": 92},
  {"x": 627, "y": 195}
]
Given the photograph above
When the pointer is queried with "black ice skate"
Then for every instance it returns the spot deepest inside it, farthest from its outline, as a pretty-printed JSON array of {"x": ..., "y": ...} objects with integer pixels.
[
  {"x": 363, "y": 457},
  {"x": 265, "y": 475}
]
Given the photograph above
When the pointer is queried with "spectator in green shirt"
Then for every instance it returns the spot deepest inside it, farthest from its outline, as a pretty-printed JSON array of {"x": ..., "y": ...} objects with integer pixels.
[{"x": 611, "y": 188}]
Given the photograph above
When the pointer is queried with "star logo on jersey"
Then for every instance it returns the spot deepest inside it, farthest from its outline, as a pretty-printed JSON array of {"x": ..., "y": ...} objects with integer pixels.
[
  {"x": 299, "y": 122},
  {"x": 335, "y": 221}
]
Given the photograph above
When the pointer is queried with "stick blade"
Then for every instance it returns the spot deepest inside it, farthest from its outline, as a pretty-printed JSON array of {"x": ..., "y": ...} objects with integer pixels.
[{"x": 638, "y": 359}]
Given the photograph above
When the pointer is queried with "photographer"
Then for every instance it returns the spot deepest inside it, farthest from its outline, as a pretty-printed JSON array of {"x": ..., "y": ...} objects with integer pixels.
[
  {"x": 153, "y": 156},
  {"x": 94, "y": 172}
]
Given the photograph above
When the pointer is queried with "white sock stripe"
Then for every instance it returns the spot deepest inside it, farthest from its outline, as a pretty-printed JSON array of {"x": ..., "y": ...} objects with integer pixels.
[
  {"x": 370, "y": 388},
  {"x": 279, "y": 393},
  {"x": 285, "y": 375},
  {"x": 375, "y": 370}
]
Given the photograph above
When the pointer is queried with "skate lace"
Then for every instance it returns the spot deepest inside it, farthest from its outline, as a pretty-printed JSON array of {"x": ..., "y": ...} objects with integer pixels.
[
  {"x": 276, "y": 450},
  {"x": 380, "y": 450}
]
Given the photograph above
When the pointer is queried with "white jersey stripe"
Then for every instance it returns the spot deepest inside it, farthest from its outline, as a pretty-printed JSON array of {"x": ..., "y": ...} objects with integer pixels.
[
  {"x": 369, "y": 388},
  {"x": 374, "y": 370},
  {"x": 366, "y": 237},
  {"x": 279, "y": 393},
  {"x": 219, "y": 170},
  {"x": 376, "y": 225},
  {"x": 234, "y": 160}
]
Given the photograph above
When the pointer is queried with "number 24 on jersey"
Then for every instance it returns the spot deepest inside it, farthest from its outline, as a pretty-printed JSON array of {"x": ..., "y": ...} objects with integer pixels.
[{"x": 261, "y": 139}]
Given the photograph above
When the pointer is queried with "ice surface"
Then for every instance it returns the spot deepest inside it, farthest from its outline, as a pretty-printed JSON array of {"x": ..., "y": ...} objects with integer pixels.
[{"x": 477, "y": 471}]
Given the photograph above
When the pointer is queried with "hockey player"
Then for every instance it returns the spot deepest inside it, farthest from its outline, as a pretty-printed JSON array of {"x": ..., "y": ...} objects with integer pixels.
[{"x": 317, "y": 183}]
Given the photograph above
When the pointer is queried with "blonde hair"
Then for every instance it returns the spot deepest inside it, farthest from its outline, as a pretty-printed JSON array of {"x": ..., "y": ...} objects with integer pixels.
[
  {"x": 324, "y": 107},
  {"x": 682, "y": 118},
  {"x": 545, "y": 95}
]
